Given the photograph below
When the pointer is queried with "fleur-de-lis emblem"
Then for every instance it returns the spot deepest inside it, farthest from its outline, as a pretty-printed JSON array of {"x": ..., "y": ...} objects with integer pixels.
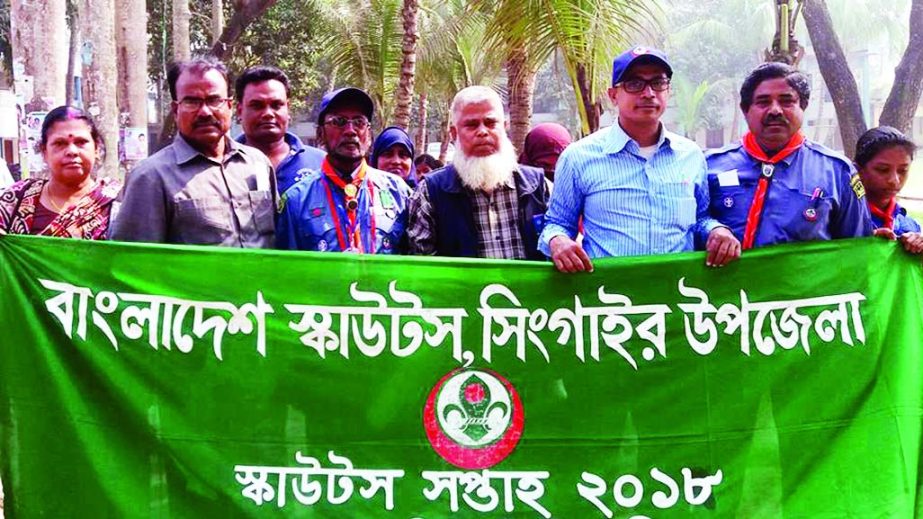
[{"x": 476, "y": 408}]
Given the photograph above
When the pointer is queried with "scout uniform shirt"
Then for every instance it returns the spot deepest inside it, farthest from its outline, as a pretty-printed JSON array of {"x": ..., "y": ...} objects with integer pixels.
[
  {"x": 814, "y": 194},
  {"x": 315, "y": 214}
]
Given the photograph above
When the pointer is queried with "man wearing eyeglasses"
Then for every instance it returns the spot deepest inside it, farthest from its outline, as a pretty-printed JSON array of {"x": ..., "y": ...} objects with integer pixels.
[
  {"x": 347, "y": 206},
  {"x": 204, "y": 188},
  {"x": 639, "y": 188}
]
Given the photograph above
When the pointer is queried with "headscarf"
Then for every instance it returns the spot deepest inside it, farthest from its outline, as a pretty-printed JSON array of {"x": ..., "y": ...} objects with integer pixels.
[
  {"x": 391, "y": 136},
  {"x": 544, "y": 140}
]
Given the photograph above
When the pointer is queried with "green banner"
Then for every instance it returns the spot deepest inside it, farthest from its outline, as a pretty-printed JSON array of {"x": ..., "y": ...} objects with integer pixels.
[{"x": 155, "y": 381}]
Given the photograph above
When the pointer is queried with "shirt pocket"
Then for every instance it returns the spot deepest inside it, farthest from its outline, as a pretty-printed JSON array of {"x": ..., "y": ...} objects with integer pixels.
[
  {"x": 204, "y": 220},
  {"x": 318, "y": 232},
  {"x": 263, "y": 211},
  {"x": 806, "y": 217},
  {"x": 389, "y": 229},
  {"x": 676, "y": 204},
  {"x": 730, "y": 205}
]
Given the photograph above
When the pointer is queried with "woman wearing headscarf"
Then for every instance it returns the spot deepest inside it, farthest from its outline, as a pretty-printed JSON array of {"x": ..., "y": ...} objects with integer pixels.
[
  {"x": 543, "y": 146},
  {"x": 393, "y": 152},
  {"x": 72, "y": 202}
]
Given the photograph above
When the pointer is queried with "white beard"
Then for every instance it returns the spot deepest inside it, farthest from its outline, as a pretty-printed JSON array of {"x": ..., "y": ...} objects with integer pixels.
[{"x": 486, "y": 173}]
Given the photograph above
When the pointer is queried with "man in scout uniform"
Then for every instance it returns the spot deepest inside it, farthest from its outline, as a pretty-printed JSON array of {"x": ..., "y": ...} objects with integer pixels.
[
  {"x": 776, "y": 186},
  {"x": 347, "y": 206}
]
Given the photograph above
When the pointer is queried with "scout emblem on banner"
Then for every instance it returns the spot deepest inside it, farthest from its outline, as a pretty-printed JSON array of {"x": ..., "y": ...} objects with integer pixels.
[{"x": 473, "y": 418}]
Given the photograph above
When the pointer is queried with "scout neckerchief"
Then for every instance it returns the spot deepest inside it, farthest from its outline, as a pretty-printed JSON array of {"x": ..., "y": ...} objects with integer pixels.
[
  {"x": 886, "y": 216},
  {"x": 768, "y": 166},
  {"x": 353, "y": 241}
]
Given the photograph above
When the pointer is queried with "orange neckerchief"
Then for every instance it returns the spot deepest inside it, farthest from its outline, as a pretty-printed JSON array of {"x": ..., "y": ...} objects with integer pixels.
[
  {"x": 886, "y": 216},
  {"x": 759, "y": 198},
  {"x": 351, "y": 195}
]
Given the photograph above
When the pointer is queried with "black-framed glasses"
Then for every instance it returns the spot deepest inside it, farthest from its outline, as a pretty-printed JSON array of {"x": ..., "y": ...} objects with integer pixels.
[
  {"x": 196, "y": 103},
  {"x": 359, "y": 123},
  {"x": 634, "y": 86}
]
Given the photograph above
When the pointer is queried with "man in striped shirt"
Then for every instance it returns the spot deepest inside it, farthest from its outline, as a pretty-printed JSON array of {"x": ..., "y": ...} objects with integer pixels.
[{"x": 639, "y": 188}]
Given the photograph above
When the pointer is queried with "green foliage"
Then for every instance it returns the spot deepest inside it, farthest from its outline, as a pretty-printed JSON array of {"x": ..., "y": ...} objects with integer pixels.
[
  {"x": 362, "y": 40},
  {"x": 587, "y": 33},
  {"x": 714, "y": 42},
  {"x": 294, "y": 47}
]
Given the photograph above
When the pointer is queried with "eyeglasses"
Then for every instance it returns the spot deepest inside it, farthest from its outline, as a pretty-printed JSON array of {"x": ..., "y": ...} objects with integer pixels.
[
  {"x": 195, "y": 103},
  {"x": 634, "y": 86},
  {"x": 359, "y": 123}
]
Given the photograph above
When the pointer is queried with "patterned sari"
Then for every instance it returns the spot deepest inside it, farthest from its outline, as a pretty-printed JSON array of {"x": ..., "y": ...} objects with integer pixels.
[{"x": 87, "y": 219}]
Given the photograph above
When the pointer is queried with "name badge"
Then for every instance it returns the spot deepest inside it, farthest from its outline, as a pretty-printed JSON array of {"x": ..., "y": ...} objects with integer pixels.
[{"x": 728, "y": 178}]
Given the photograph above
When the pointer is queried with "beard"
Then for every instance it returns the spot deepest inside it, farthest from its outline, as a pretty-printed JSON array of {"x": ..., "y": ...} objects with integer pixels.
[{"x": 489, "y": 172}]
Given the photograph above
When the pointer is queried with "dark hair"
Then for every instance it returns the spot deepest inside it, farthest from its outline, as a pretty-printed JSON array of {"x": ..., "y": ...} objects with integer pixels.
[
  {"x": 429, "y": 160},
  {"x": 259, "y": 74},
  {"x": 201, "y": 65},
  {"x": 70, "y": 113},
  {"x": 775, "y": 70},
  {"x": 879, "y": 139}
]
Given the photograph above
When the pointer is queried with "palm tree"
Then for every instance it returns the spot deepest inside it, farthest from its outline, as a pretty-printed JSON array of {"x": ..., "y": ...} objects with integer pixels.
[
  {"x": 587, "y": 33},
  {"x": 404, "y": 94},
  {"x": 453, "y": 58},
  {"x": 363, "y": 42}
]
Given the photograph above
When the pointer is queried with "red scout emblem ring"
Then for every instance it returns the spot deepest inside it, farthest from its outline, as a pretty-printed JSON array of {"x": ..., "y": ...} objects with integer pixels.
[{"x": 473, "y": 418}]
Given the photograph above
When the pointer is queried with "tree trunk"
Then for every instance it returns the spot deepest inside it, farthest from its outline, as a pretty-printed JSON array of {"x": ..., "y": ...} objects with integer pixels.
[
  {"x": 131, "y": 38},
  {"x": 420, "y": 141},
  {"x": 73, "y": 60},
  {"x": 39, "y": 40},
  {"x": 101, "y": 75},
  {"x": 217, "y": 20},
  {"x": 589, "y": 109},
  {"x": 520, "y": 79},
  {"x": 836, "y": 73},
  {"x": 908, "y": 78},
  {"x": 181, "y": 17},
  {"x": 245, "y": 12},
  {"x": 404, "y": 93},
  {"x": 444, "y": 145}
]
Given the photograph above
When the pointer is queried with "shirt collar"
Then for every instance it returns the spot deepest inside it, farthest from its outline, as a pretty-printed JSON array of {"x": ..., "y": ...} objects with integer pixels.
[
  {"x": 185, "y": 152},
  {"x": 290, "y": 138},
  {"x": 618, "y": 139}
]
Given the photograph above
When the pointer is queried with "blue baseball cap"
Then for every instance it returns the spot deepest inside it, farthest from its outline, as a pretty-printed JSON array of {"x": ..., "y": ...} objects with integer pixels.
[
  {"x": 343, "y": 96},
  {"x": 625, "y": 60}
]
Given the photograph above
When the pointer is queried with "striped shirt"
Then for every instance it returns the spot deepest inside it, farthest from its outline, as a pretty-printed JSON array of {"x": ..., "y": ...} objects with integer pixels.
[{"x": 630, "y": 205}]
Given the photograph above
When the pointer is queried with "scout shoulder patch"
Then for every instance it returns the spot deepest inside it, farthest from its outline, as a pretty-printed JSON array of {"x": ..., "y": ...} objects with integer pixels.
[{"x": 857, "y": 186}]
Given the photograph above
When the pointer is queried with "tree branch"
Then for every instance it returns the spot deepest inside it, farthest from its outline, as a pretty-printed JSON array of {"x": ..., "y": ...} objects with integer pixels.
[
  {"x": 908, "y": 77},
  {"x": 836, "y": 73},
  {"x": 245, "y": 12}
]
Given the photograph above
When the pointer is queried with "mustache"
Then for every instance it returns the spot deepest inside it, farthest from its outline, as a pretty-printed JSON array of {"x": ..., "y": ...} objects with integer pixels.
[
  {"x": 206, "y": 121},
  {"x": 771, "y": 119}
]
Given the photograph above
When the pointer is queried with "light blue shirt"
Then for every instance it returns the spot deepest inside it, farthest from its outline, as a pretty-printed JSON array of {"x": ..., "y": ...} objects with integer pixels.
[{"x": 630, "y": 205}]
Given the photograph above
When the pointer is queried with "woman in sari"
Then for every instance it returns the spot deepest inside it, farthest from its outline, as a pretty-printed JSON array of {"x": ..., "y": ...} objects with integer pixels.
[{"x": 71, "y": 203}]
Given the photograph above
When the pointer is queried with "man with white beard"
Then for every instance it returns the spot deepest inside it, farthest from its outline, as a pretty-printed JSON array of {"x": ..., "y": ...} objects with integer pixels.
[{"x": 484, "y": 204}]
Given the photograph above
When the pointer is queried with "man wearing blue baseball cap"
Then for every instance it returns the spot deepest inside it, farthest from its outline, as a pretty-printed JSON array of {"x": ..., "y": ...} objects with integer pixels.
[
  {"x": 347, "y": 206},
  {"x": 640, "y": 189}
]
